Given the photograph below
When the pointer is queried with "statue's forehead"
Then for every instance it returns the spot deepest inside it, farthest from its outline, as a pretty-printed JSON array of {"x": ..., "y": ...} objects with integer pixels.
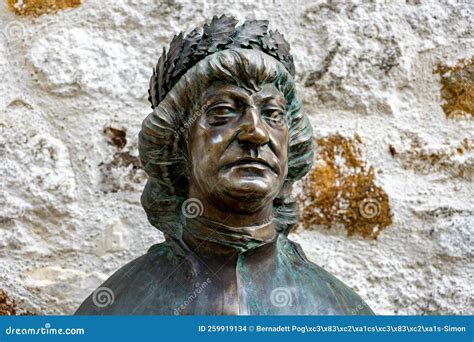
[{"x": 218, "y": 89}]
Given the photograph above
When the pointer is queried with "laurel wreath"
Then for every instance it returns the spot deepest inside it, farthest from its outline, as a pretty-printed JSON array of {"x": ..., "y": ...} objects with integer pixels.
[{"x": 220, "y": 34}]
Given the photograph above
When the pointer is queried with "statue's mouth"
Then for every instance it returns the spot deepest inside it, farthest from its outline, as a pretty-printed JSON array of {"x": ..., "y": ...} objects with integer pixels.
[{"x": 257, "y": 163}]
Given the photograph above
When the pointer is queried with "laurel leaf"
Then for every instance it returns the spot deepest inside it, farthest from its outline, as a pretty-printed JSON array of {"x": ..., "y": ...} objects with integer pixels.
[
  {"x": 249, "y": 32},
  {"x": 151, "y": 90},
  {"x": 174, "y": 51},
  {"x": 283, "y": 46},
  {"x": 268, "y": 42},
  {"x": 289, "y": 64},
  {"x": 216, "y": 34},
  {"x": 190, "y": 43},
  {"x": 157, "y": 91},
  {"x": 160, "y": 71}
]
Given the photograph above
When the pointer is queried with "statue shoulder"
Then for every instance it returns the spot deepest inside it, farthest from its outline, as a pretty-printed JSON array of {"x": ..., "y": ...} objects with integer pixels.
[
  {"x": 343, "y": 299},
  {"x": 126, "y": 283}
]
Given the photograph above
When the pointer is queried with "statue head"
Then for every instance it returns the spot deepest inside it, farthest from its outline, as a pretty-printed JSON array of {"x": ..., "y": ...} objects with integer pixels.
[{"x": 227, "y": 132}]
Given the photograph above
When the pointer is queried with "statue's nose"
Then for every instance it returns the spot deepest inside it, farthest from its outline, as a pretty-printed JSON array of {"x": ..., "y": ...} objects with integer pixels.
[{"x": 252, "y": 129}]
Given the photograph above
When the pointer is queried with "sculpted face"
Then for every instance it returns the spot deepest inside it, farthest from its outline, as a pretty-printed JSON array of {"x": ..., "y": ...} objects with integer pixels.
[{"x": 238, "y": 146}]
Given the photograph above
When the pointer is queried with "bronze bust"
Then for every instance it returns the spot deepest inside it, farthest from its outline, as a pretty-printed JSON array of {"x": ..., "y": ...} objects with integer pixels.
[{"x": 226, "y": 140}]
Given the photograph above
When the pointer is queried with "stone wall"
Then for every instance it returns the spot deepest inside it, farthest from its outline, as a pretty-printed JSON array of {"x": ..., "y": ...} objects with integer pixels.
[{"x": 389, "y": 88}]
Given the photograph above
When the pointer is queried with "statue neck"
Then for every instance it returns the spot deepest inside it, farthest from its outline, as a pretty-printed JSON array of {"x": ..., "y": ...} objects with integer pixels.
[{"x": 209, "y": 238}]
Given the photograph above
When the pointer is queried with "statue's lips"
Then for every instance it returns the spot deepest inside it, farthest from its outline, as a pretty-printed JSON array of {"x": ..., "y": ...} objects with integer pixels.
[{"x": 257, "y": 163}]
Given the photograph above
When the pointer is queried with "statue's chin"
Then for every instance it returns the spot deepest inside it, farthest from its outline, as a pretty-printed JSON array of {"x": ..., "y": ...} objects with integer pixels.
[
  {"x": 251, "y": 190},
  {"x": 246, "y": 194}
]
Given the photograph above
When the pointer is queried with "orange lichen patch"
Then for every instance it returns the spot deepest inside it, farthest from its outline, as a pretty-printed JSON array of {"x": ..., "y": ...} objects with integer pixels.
[
  {"x": 9, "y": 307},
  {"x": 40, "y": 7},
  {"x": 341, "y": 189},
  {"x": 457, "y": 88},
  {"x": 456, "y": 160}
]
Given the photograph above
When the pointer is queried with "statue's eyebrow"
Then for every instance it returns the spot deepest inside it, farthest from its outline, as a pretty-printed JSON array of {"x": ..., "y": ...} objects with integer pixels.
[
  {"x": 271, "y": 99},
  {"x": 235, "y": 94},
  {"x": 267, "y": 98}
]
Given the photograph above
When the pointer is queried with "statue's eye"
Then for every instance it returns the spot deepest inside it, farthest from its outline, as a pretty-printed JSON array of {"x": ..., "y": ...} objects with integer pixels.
[
  {"x": 221, "y": 114},
  {"x": 275, "y": 117}
]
